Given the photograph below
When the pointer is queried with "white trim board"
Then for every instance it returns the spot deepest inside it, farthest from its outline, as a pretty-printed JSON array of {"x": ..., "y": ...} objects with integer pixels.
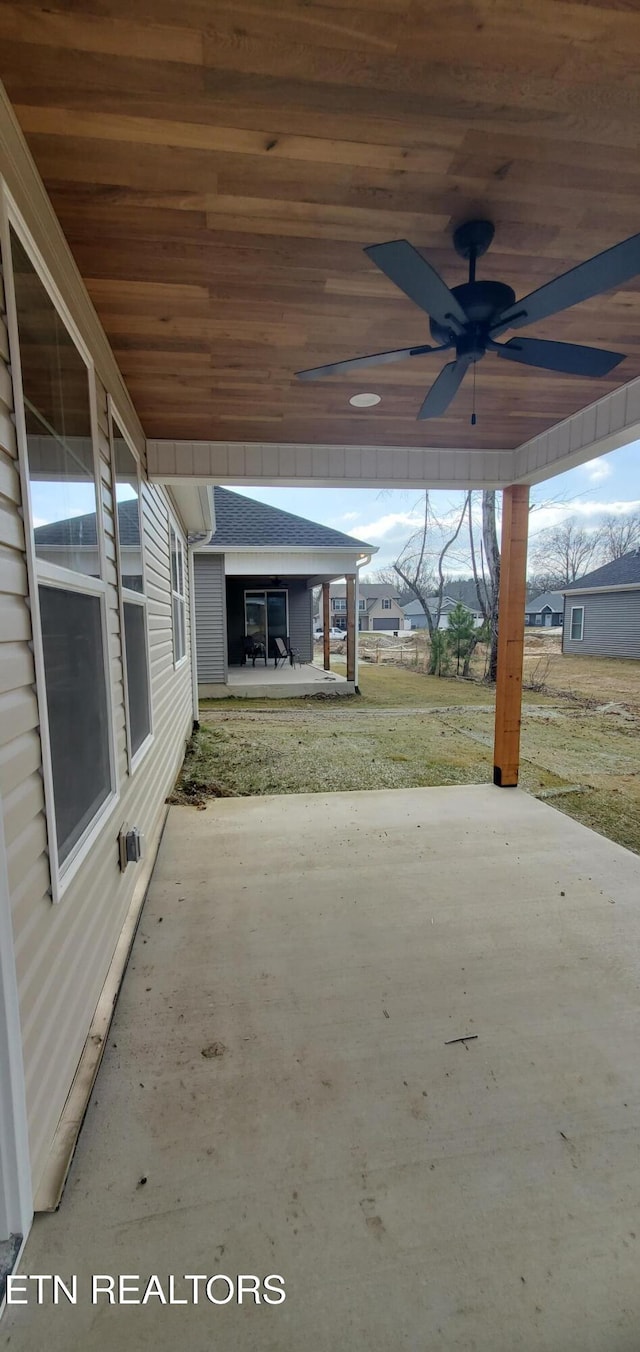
[
  {"x": 593, "y": 591},
  {"x": 254, "y": 463}
]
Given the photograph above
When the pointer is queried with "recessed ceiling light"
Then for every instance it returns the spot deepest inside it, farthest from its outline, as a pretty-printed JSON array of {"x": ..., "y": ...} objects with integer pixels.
[{"x": 364, "y": 400}]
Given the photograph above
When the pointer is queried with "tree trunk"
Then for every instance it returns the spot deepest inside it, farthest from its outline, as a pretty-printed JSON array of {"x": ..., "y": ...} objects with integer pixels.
[{"x": 492, "y": 555}]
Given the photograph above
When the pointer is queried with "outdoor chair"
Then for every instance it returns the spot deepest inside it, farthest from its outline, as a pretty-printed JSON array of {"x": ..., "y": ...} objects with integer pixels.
[
  {"x": 283, "y": 651},
  {"x": 252, "y": 648}
]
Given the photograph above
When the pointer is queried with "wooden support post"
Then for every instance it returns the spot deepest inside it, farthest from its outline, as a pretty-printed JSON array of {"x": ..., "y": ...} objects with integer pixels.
[
  {"x": 513, "y": 579},
  {"x": 351, "y": 627},
  {"x": 326, "y": 625}
]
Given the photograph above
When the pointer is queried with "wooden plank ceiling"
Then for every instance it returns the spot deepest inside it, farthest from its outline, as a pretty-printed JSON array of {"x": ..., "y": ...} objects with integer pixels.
[{"x": 219, "y": 165}]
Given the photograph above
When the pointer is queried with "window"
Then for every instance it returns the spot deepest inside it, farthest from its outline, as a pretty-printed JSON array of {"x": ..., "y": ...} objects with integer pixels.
[
  {"x": 386, "y": 604},
  {"x": 126, "y": 476},
  {"x": 361, "y": 603},
  {"x": 339, "y": 602},
  {"x": 177, "y": 597},
  {"x": 577, "y": 622},
  {"x": 266, "y": 617},
  {"x": 57, "y": 445}
]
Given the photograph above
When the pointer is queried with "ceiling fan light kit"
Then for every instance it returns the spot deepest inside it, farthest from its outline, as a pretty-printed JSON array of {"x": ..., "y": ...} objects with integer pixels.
[{"x": 469, "y": 318}]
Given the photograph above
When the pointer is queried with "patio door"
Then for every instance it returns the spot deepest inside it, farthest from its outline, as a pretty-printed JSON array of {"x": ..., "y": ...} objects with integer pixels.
[{"x": 266, "y": 617}]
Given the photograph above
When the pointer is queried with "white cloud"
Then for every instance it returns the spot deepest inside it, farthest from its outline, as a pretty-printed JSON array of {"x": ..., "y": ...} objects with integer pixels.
[
  {"x": 376, "y": 530},
  {"x": 589, "y": 513},
  {"x": 598, "y": 470},
  {"x": 349, "y": 516}
]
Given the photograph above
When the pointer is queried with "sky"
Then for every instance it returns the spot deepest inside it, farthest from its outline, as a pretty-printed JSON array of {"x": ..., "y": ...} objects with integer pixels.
[{"x": 387, "y": 518}]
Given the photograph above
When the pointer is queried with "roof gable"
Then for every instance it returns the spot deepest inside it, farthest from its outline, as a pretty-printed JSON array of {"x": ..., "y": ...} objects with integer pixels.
[
  {"x": 553, "y": 600},
  {"x": 245, "y": 523}
]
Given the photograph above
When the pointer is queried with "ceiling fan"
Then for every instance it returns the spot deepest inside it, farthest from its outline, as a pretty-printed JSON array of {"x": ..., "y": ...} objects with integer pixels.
[{"x": 469, "y": 318}]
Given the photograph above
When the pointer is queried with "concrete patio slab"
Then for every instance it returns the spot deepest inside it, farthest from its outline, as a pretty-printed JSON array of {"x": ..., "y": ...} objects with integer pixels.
[
  {"x": 283, "y": 1072},
  {"x": 285, "y": 682}
]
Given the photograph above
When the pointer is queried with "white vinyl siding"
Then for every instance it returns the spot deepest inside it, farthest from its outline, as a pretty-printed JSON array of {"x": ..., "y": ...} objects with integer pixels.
[{"x": 63, "y": 952}]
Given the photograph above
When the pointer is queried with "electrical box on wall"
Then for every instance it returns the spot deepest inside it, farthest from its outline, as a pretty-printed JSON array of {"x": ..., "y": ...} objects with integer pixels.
[{"x": 130, "y": 843}]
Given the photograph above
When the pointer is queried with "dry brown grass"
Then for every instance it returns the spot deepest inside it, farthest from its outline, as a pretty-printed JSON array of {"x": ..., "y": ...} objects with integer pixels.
[{"x": 580, "y": 738}]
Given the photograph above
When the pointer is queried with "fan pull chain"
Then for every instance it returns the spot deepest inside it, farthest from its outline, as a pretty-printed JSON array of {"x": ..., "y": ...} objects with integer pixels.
[{"x": 473, "y": 414}]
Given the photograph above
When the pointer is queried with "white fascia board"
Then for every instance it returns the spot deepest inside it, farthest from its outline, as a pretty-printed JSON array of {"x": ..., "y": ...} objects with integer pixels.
[
  {"x": 290, "y": 562},
  {"x": 609, "y": 423},
  {"x": 287, "y": 465},
  {"x": 593, "y": 591}
]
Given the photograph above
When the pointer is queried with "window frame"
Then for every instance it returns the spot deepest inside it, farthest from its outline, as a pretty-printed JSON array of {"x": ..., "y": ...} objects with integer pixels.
[
  {"x": 577, "y": 638},
  {"x": 53, "y": 575},
  {"x": 180, "y": 597},
  {"x": 386, "y": 603},
  {"x": 125, "y": 594}
]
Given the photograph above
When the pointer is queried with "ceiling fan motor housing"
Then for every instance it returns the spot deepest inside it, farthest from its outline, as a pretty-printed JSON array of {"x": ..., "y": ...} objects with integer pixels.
[{"x": 483, "y": 303}]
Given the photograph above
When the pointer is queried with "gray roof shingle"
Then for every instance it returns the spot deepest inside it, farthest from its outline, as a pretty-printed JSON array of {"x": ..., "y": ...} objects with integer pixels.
[
  {"x": 622, "y": 572},
  {"x": 244, "y": 522},
  {"x": 81, "y": 530}
]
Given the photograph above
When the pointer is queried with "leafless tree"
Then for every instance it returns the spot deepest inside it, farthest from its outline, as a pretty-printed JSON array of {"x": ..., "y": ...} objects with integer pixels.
[
  {"x": 620, "y": 536},
  {"x": 423, "y": 577},
  {"x": 566, "y": 551}
]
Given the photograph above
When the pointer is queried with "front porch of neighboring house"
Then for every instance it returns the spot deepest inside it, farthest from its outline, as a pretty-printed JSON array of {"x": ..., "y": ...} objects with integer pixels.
[{"x": 259, "y": 611}]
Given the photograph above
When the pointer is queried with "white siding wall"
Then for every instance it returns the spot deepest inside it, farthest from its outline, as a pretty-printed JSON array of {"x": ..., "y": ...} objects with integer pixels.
[{"x": 63, "y": 951}]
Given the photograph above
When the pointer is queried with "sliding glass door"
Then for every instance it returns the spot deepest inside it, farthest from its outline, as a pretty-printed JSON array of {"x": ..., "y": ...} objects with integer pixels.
[{"x": 266, "y": 617}]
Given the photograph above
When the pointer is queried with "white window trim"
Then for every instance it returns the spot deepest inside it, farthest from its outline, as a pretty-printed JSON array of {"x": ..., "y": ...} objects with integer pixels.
[
  {"x": 385, "y": 603},
  {"x": 573, "y": 612},
  {"x": 125, "y": 594},
  {"x": 178, "y": 596},
  {"x": 51, "y": 574}
]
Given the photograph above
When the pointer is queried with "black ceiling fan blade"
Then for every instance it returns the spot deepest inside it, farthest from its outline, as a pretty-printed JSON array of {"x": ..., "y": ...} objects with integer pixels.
[
  {"x": 402, "y": 264},
  {"x": 569, "y": 358},
  {"x": 373, "y": 359},
  {"x": 601, "y": 273},
  {"x": 444, "y": 388}
]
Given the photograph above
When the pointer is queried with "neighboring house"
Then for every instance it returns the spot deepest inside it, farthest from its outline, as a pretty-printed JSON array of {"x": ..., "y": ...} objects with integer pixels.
[
  {"x": 602, "y": 610},
  {"x": 255, "y": 579},
  {"x": 415, "y": 617},
  {"x": 378, "y": 607},
  {"x": 546, "y": 610}
]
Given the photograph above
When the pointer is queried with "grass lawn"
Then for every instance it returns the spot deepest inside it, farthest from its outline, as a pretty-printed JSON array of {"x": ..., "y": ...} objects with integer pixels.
[{"x": 407, "y": 729}]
